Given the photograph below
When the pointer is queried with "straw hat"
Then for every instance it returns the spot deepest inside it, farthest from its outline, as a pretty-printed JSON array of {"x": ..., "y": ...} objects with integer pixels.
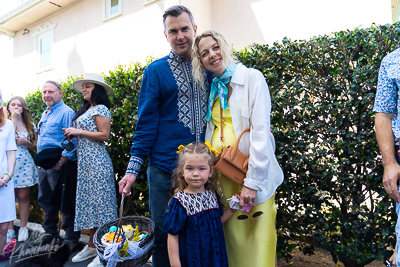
[{"x": 92, "y": 78}]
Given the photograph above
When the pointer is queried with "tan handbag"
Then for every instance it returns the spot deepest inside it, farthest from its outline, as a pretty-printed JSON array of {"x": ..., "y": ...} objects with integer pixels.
[{"x": 230, "y": 161}]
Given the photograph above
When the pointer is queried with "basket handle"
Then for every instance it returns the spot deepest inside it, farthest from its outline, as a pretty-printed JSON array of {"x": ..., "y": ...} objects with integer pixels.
[{"x": 120, "y": 231}]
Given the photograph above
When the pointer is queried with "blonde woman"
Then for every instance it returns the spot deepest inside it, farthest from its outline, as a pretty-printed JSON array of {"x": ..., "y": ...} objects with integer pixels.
[
  {"x": 244, "y": 97},
  {"x": 26, "y": 173}
]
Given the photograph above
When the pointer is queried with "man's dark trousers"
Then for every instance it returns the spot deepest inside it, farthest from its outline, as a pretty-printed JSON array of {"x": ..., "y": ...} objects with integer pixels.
[{"x": 50, "y": 193}]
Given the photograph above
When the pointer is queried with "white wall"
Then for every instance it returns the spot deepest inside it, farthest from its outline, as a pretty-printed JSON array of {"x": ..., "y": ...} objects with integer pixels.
[{"x": 84, "y": 43}]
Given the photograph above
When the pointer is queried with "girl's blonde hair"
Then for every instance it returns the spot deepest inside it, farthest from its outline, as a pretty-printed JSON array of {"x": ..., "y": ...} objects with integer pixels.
[
  {"x": 26, "y": 118},
  {"x": 198, "y": 67},
  {"x": 178, "y": 180}
]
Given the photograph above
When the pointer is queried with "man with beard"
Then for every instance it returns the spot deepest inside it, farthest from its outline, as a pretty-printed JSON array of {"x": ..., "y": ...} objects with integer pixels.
[{"x": 55, "y": 165}]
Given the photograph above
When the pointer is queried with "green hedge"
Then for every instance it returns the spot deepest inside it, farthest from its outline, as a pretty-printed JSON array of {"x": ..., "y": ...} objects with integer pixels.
[{"x": 322, "y": 92}]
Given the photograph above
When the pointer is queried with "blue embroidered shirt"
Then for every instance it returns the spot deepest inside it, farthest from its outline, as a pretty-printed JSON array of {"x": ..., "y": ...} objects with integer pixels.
[
  {"x": 387, "y": 94},
  {"x": 50, "y": 133},
  {"x": 170, "y": 113}
]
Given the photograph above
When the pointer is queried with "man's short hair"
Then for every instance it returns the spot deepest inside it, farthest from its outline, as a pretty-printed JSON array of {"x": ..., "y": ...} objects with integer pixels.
[
  {"x": 176, "y": 11},
  {"x": 56, "y": 84}
]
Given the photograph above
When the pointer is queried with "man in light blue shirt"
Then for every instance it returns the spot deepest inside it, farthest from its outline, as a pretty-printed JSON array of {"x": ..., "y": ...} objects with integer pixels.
[
  {"x": 387, "y": 130},
  {"x": 50, "y": 135}
]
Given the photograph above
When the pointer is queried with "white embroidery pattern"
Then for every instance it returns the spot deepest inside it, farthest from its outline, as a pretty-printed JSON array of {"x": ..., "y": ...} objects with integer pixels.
[
  {"x": 196, "y": 203},
  {"x": 134, "y": 165},
  {"x": 192, "y": 101}
]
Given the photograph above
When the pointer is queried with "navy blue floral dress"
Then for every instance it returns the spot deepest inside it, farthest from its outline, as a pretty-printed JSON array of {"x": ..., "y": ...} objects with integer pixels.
[
  {"x": 96, "y": 203},
  {"x": 197, "y": 220}
]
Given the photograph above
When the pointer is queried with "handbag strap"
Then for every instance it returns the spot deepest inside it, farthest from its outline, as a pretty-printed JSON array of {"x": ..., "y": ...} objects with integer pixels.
[
  {"x": 222, "y": 132},
  {"x": 235, "y": 148}
]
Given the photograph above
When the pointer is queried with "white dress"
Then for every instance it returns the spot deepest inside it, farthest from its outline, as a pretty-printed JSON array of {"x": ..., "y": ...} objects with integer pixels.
[
  {"x": 7, "y": 198},
  {"x": 25, "y": 171}
]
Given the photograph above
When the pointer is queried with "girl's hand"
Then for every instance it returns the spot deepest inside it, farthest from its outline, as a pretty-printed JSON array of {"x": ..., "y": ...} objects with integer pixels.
[
  {"x": 3, "y": 180},
  {"x": 22, "y": 141},
  {"x": 247, "y": 196},
  {"x": 71, "y": 133},
  {"x": 15, "y": 115}
]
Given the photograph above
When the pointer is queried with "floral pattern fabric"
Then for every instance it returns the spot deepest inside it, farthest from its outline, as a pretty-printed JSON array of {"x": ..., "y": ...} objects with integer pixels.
[
  {"x": 197, "y": 220},
  {"x": 96, "y": 203},
  {"x": 387, "y": 98},
  {"x": 25, "y": 171}
]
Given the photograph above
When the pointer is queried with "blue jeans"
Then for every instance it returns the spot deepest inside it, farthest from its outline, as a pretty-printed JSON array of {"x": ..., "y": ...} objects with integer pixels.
[{"x": 159, "y": 196}]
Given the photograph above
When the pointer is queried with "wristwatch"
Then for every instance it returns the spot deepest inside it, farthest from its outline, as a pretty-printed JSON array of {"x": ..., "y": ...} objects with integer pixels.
[{"x": 60, "y": 164}]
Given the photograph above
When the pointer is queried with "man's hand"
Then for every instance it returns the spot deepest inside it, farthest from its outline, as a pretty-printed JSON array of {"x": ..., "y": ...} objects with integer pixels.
[
  {"x": 386, "y": 142},
  {"x": 56, "y": 167},
  {"x": 125, "y": 184},
  {"x": 391, "y": 175}
]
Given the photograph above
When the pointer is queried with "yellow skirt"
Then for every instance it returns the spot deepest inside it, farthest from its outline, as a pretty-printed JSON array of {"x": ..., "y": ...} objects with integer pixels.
[{"x": 251, "y": 242}]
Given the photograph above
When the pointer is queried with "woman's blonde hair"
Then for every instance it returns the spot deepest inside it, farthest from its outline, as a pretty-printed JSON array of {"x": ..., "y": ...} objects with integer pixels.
[
  {"x": 200, "y": 149},
  {"x": 198, "y": 67},
  {"x": 26, "y": 117}
]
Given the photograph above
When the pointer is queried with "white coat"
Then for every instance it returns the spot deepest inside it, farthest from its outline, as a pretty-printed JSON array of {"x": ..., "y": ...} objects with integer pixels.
[{"x": 250, "y": 106}]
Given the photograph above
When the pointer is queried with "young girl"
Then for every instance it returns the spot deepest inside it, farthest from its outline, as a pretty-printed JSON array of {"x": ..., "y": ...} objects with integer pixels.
[
  {"x": 194, "y": 216},
  {"x": 26, "y": 174}
]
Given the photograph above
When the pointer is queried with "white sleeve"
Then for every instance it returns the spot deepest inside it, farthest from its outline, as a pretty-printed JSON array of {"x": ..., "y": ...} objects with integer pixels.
[{"x": 260, "y": 121}]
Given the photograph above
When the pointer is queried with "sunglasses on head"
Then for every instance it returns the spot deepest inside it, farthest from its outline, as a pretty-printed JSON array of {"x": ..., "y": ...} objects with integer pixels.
[{"x": 67, "y": 145}]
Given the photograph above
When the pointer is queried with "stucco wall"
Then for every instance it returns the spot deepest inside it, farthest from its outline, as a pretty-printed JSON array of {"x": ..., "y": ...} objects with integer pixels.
[{"x": 84, "y": 43}]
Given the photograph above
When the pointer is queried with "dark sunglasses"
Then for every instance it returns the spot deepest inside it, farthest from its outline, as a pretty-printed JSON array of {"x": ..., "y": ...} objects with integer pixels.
[
  {"x": 255, "y": 215},
  {"x": 69, "y": 146},
  {"x": 40, "y": 125}
]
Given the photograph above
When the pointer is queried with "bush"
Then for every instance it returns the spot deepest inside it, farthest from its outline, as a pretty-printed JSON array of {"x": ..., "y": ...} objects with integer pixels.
[
  {"x": 323, "y": 93},
  {"x": 125, "y": 82}
]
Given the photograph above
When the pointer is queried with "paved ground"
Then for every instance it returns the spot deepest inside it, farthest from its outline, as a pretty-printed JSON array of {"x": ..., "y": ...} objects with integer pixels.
[{"x": 36, "y": 230}]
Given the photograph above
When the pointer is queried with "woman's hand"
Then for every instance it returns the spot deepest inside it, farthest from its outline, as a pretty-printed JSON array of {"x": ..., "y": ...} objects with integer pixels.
[
  {"x": 3, "y": 180},
  {"x": 15, "y": 115},
  {"x": 71, "y": 133},
  {"x": 247, "y": 196},
  {"x": 22, "y": 141}
]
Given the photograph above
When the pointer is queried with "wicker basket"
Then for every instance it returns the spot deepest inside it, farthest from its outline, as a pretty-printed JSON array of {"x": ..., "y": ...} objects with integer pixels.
[{"x": 145, "y": 224}]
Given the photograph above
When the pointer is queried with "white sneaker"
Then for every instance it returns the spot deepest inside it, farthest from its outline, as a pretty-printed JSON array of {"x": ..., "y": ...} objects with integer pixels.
[
  {"x": 22, "y": 234},
  {"x": 96, "y": 263},
  {"x": 10, "y": 235},
  {"x": 86, "y": 253}
]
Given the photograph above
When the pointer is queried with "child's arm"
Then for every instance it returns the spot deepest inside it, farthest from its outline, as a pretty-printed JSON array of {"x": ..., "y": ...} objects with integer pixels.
[
  {"x": 173, "y": 250},
  {"x": 228, "y": 212}
]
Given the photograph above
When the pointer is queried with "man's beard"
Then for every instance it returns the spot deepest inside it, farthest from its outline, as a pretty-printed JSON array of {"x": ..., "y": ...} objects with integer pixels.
[{"x": 49, "y": 103}]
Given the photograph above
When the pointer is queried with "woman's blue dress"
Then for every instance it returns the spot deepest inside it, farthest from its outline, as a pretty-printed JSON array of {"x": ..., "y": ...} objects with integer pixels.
[{"x": 197, "y": 220}]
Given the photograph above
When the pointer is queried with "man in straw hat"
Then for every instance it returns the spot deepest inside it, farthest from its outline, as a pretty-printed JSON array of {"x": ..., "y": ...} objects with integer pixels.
[
  {"x": 55, "y": 164},
  {"x": 171, "y": 112}
]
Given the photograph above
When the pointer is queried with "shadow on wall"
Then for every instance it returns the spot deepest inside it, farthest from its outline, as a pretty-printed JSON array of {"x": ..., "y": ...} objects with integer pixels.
[{"x": 74, "y": 62}]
